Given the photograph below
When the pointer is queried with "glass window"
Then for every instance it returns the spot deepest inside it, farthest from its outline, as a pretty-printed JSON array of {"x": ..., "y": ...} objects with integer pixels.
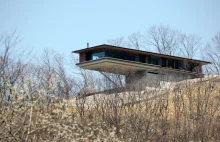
[
  {"x": 163, "y": 62},
  {"x": 156, "y": 60},
  {"x": 171, "y": 63},
  {"x": 98, "y": 55}
]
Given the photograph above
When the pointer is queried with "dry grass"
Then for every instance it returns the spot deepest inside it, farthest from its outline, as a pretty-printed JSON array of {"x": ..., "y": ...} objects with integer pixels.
[{"x": 190, "y": 113}]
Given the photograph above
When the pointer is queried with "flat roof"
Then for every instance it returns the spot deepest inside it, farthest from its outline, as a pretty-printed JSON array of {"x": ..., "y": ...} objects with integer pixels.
[{"x": 135, "y": 51}]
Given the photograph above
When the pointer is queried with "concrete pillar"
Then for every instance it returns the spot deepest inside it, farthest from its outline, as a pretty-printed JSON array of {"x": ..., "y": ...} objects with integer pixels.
[{"x": 198, "y": 68}]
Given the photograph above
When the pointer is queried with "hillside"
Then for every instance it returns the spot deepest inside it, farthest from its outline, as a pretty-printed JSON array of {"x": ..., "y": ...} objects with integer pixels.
[{"x": 188, "y": 111}]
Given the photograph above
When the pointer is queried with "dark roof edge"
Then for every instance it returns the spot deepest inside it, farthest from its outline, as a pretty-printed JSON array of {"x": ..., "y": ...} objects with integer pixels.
[{"x": 77, "y": 51}]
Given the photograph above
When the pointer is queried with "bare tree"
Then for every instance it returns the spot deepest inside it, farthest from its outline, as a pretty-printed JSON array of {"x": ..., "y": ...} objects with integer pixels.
[
  {"x": 135, "y": 41},
  {"x": 216, "y": 40},
  {"x": 189, "y": 45},
  {"x": 121, "y": 41},
  {"x": 212, "y": 53},
  {"x": 164, "y": 39},
  {"x": 13, "y": 61}
]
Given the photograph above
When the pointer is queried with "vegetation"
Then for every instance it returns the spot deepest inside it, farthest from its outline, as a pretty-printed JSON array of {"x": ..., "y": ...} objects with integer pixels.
[{"x": 41, "y": 102}]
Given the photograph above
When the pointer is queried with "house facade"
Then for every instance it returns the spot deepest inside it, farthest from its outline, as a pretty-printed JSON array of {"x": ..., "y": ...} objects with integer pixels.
[{"x": 139, "y": 64}]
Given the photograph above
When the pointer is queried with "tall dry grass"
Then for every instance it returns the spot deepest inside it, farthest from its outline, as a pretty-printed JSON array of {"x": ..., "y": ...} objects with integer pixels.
[{"x": 189, "y": 113}]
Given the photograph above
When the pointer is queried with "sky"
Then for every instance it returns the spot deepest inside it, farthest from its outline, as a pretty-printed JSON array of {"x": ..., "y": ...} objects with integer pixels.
[{"x": 68, "y": 25}]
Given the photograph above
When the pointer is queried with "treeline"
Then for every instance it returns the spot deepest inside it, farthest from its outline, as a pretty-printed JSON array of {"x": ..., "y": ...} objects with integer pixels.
[{"x": 166, "y": 40}]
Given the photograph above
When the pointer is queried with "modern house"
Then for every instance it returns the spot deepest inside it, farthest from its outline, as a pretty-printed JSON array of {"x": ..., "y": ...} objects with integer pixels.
[{"x": 142, "y": 64}]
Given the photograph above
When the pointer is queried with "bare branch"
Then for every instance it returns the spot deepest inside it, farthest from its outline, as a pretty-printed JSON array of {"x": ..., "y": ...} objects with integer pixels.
[
  {"x": 190, "y": 44},
  {"x": 164, "y": 39}
]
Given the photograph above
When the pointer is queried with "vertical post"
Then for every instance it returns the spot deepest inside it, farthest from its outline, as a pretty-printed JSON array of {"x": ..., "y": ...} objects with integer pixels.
[
  {"x": 167, "y": 62},
  {"x": 146, "y": 59},
  {"x": 200, "y": 68}
]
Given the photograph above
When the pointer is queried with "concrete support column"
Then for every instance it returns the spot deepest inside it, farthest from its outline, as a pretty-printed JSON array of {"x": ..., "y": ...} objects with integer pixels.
[{"x": 198, "y": 68}]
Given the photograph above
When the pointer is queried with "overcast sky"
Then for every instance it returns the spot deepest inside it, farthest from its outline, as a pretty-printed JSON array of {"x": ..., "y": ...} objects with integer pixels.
[{"x": 68, "y": 25}]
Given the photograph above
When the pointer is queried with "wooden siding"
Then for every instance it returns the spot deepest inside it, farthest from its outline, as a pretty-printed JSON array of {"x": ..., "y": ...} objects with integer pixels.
[{"x": 82, "y": 57}]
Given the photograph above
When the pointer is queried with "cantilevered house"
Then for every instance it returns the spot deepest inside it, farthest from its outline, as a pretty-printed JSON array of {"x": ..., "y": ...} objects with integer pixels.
[{"x": 148, "y": 65}]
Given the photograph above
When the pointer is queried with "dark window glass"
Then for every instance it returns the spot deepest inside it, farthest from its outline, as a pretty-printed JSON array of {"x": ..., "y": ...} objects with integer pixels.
[
  {"x": 98, "y": 55},
  {"x": 123, "y": 55},
  {"x": 163, "y": 62},
  {"x": 149, "y": 59},
  {"x": 154, "y": 61},
  {"x": 176, "y": 64},
  {"x": 183, "y": 65},
  {"x": 171, "y": 63},
  {"x": 88, "y": 56},
  {"x": 142, "y": 59}
]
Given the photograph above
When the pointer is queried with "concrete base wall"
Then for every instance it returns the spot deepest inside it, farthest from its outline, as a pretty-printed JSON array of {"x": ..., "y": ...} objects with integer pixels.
[{"x": 156, "y": 78}]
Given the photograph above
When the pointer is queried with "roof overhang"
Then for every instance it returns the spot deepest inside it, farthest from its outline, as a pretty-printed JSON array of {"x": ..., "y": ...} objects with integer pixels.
[
  {"x": 135, "y": 51},
  {"x": 120, "y": 66}
]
